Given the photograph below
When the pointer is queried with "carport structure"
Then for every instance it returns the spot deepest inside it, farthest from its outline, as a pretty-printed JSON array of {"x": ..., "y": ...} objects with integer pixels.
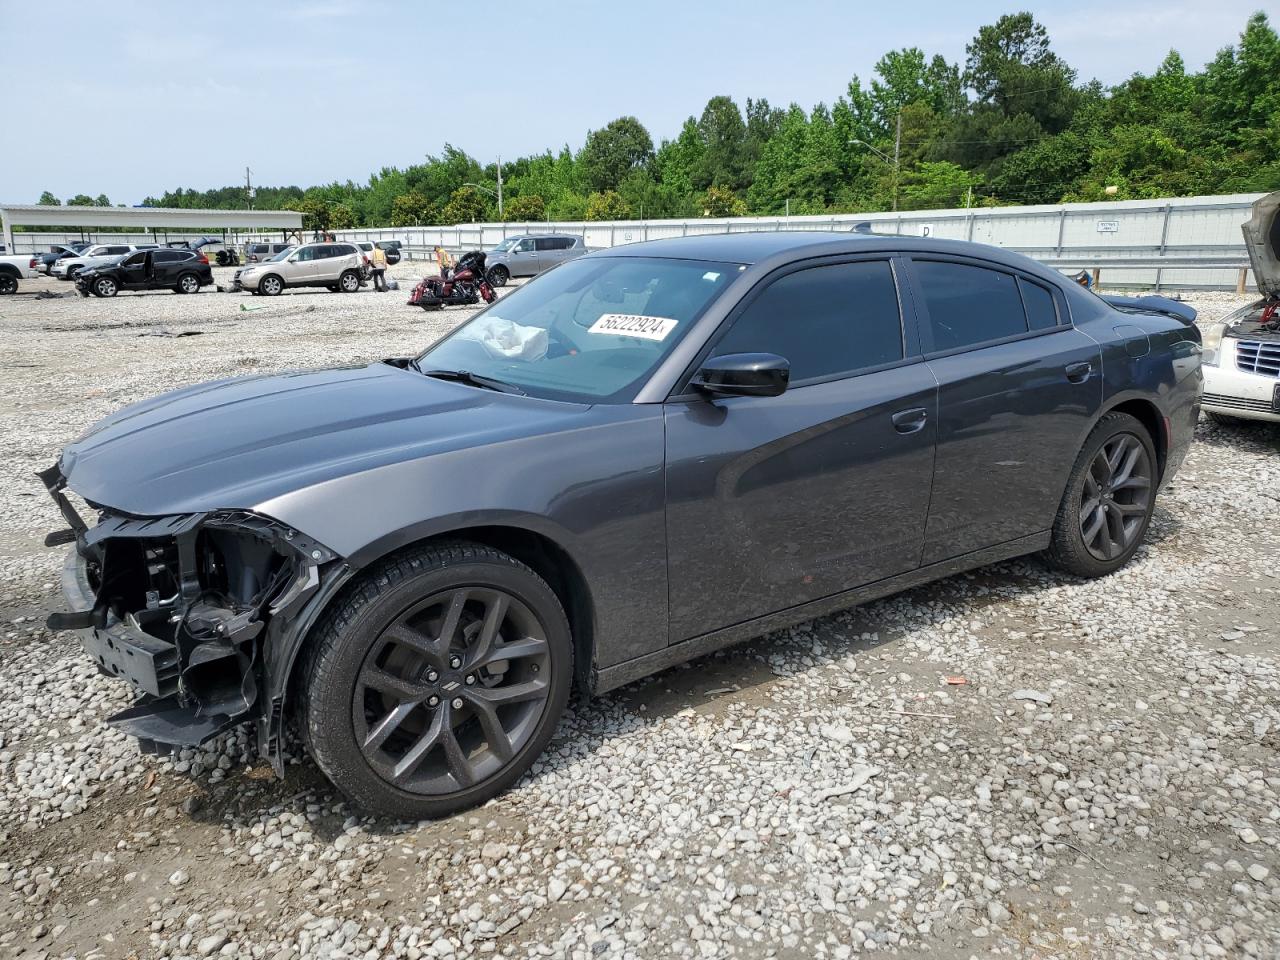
[{"x": 145, "y": 218}]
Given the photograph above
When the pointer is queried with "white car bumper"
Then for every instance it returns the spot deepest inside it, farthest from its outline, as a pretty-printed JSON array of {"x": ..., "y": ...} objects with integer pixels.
[{"x": 1233, "y": 392}]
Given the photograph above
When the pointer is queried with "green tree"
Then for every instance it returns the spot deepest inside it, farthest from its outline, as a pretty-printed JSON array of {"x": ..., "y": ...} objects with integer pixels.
[
  {"x": 101, "y": 201},
  {"x": 341, "y": 217},
  {"x": 80, "y": 200},
  {"x": 614, "y": 151},
  {"x": 413, "y": 209},
  {"x": 315, "y": 213},
  {"x": 466, "y": 205},
  {"x": 526, "y": 208},
  {"x": 47, "y": 199},
  {"x": 725, "y": 158},
  {"x": 607, "y": 205},
  {"x": 722, "y": 202},
  {"x": 936, "y": 185}
]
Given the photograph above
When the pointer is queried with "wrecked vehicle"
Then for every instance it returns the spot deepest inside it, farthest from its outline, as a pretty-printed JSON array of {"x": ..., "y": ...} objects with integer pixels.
[
  {"x": 182, "y": 271},
  {"x": 637, "y": 458},
  {"x": 1242, "y": 353}
]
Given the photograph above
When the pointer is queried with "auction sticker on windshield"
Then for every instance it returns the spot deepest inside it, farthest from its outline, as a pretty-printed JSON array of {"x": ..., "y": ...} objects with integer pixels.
[{"x": 633, "y": 325}]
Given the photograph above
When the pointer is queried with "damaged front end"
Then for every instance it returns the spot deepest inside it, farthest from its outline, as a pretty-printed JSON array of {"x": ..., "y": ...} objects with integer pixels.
[{"x": 200, "y": 613}]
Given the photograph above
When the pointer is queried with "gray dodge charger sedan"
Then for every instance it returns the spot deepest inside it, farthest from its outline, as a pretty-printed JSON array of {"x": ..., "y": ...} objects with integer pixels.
[{"x": 644, "y": 455}]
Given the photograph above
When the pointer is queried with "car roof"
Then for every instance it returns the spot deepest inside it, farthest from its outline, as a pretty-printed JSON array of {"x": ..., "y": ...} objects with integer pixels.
[{"x": 782, "y": 245}]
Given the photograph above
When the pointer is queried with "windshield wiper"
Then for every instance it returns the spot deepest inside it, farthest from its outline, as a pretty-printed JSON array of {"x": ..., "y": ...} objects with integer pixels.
[{"x": 471, "y": 379}]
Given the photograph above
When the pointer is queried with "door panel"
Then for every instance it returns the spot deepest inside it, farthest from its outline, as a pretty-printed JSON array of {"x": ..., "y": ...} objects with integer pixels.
[
  {"x": 773, "y": 501},
  {"x": 524, "y": 262},
  {"x": 1011, "y": 416}
]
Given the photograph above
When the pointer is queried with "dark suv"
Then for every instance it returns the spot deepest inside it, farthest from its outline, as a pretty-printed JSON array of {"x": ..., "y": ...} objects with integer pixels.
[{"x": 182, "y": 271}]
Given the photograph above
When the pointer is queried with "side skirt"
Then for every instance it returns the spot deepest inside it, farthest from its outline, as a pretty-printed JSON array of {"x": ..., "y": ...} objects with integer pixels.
[{"x": 609, "y": 678}]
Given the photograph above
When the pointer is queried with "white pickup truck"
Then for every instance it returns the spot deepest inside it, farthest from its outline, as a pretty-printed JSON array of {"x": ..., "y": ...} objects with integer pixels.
[{"x": 15, "y": 267}]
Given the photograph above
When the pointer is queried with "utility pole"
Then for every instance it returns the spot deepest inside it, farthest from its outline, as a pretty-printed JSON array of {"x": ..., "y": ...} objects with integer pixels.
[
  {"x": 897, "y": 149},
  {"x": 499, "y": 186},
  {"x": 248, "y": 187}
]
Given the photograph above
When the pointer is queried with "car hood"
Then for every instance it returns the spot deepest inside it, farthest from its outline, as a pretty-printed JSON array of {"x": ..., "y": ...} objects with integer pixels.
[
  {"x": 1262, "y": 238},
  {"x": 235, "y": 444}
]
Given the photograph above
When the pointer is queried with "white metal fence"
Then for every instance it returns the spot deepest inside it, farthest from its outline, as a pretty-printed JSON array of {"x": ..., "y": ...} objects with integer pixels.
[{"x": 1178, "y": 243}]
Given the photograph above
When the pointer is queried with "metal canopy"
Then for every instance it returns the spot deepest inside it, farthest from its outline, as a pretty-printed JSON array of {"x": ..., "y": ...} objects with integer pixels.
[{"x": 26, "y": 215}]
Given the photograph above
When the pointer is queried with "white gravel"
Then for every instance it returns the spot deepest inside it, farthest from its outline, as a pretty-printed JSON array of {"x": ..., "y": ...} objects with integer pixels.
[{"x": 1104, "y": 783}]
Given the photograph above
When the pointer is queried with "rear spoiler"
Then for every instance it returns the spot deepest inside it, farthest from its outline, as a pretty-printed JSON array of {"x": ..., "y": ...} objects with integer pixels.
[{"x": 1176, "y": 309}]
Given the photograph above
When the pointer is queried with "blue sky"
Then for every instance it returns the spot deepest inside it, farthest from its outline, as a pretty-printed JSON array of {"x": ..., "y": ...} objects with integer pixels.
[{"x": 127, "y": 98}]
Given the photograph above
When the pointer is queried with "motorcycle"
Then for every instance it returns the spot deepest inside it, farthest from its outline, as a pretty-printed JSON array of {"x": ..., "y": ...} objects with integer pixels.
[{"x": 465, "y": 284}]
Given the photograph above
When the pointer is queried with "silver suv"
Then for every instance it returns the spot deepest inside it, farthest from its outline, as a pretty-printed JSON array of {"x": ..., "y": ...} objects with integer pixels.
[
  {"x": 530, "y": 254},
  {"x": 337, "y": 266}
]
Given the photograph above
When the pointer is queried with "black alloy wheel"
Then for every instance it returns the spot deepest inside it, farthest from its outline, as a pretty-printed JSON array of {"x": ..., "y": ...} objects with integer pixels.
[
  {"x": 1109, "y": 498},
  {"x": 1116, "y": 497},
  {"x": 437, "y": 680},
  {"x": 499, "y": 276},
  {"x": 8, "y": 284},
  {"x": 452, "y": 690}
]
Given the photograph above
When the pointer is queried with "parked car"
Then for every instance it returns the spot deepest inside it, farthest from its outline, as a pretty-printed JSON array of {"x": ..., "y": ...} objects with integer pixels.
[
  {"x": 57, "y": 251},
  {"x": 1242, "y": 353},
  {"x": 182, "y": 271},
  {"x": 67, "y": 267},
  {"x": 648, "y": 454},
  {"x": 15, "y": 267},
  {"x": 261, "y": 252},
  {"x": 392, "y": 248},
  {"x": 527, "y": 255},
  {"x": 337, "y": 266}
]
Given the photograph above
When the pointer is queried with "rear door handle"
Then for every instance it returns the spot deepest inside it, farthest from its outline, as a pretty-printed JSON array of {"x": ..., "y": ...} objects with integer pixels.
[
  {"x": 1079, "y": 372},
  {"x": 909, "y": 421}
]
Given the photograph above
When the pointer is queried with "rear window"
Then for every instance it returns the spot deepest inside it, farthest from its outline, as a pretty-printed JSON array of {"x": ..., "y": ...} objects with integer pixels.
[
  {"x": 969, "y": 305},
  {"x": 171, "y": 256}
]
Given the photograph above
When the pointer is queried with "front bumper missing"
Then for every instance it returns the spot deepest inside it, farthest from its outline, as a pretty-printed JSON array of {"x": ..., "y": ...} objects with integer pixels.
[{"x": 205, "y": 671}]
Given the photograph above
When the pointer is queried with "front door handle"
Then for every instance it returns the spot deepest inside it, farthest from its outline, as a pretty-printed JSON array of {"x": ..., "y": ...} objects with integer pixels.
[
  {"x": 909, "y": 421},
  {"x": 1079, "y": 372}
]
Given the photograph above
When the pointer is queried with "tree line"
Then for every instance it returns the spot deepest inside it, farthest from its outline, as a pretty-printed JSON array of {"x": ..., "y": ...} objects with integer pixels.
[{"x": 1013, "y": 124}]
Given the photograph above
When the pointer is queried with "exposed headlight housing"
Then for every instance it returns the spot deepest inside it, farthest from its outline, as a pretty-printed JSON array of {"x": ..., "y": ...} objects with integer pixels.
[{"x": 1211, "y": 347}]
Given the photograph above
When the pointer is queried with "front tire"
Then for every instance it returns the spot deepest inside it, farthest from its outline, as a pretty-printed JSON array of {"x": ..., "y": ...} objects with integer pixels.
[
  {"x": 436, "y": 680},
  {"x": 1110, "y": 496},
  {"x": 271, "y": 286},
  {"x": 499, "y": 276},
  {"x": 105, "y": 287}
]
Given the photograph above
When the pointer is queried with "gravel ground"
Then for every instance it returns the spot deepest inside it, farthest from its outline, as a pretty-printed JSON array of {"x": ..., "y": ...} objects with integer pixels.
[{"x": 1103, "y": 784}]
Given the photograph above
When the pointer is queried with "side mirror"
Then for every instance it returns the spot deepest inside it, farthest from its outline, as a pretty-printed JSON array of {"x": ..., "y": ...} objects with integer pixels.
[{"x": 744, "y": 375}]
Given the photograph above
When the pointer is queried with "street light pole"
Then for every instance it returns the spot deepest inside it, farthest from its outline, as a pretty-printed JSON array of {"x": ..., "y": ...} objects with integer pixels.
[
  {"x": 499, "y": 186},
  {"x": 894, "y": 160}
]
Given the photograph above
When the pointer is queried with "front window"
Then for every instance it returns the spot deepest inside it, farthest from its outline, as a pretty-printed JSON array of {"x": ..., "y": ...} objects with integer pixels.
[
  {"x": 590, "y": 331},
  {"x": 505, "y": 245},
  {"x": 281, "y": 255}
]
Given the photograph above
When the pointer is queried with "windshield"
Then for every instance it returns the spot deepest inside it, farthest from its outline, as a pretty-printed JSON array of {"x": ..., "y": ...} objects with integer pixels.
[
  {"x": 591, "y": 330},
  {"x": 505, "y": 245},
  {"x": 280, "y": 256}
]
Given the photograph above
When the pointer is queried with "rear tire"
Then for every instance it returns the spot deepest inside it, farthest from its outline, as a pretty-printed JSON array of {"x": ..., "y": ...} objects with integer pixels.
[
  {"x": 188, "y": 283},
  {"x": 427, "y": 625},
  {"x": 1112, "y": 484},
  {"x": 8, "y": 284},
  {"x": 349, "y": 282}
]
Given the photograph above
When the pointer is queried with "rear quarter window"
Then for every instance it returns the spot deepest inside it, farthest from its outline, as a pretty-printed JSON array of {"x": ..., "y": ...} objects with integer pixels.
[{"x": 1042, "y": 313}]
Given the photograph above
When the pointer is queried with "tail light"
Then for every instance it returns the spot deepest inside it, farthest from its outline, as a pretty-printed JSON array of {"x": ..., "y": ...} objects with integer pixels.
[
  {"x": 201, "y": 258},
  {"x": 33, "y": 263}
]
